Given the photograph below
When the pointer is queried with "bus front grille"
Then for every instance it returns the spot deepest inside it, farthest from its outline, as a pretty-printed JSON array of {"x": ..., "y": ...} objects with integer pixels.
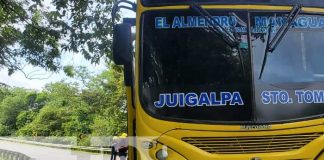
[{"x": 255, "y": 144}]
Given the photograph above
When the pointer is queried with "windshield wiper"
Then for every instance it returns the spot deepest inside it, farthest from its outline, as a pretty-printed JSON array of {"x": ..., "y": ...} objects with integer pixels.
[
  {"x": 273, "y": 44},
  {"x": 220, "y": 31},
  {"x": 238, "y": 44},
  {"x": 284, "y": 28},
  {"x": 214, "y": 26}
]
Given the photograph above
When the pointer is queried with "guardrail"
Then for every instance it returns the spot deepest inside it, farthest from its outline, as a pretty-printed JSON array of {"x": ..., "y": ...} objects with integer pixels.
[
  {"x": 61, "y": 146},
  {"x": 11, "y": 155}
]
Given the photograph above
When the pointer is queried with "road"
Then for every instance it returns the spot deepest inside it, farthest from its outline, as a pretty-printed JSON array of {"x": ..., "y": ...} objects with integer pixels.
[{"x": 47, "y": 153}]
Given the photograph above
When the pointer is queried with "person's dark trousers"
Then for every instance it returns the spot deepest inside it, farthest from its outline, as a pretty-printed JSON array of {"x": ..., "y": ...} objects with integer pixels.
[
  {"x": 113, "y": 154},
  {"x": 122, "y": 155}
]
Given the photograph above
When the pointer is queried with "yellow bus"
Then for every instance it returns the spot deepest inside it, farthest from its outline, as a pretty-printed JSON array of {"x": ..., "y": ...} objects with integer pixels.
[{"x": 224, "y": 79}]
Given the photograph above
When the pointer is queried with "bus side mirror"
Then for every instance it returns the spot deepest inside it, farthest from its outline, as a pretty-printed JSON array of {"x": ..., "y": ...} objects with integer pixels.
[{"x": 122, "y": 44}]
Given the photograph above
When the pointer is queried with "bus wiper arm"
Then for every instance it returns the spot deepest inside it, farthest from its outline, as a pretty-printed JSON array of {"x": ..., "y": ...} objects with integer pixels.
[
  {"x": 273, "y": 44},
  {"x": 238, "y": 47},
  {"x": 214, "y": 26},
  {"x": 284, "y": 28}
]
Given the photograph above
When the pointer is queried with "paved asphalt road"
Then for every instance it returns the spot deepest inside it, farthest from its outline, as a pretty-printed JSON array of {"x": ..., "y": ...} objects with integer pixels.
[{"x": 47, "y": 153}]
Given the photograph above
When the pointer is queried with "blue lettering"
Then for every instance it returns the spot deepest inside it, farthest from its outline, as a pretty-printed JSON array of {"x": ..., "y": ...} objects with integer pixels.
[
  {"x": 308, "y": 97},
  {"x": 158, "y": 22},
  {"x": 213, "y": 99},
  {"x": 232, "y": 21},
  {"x": 217, "y": 19},
  {"x": 201, "y": 22},
  {"x": 280, "y": 21},
  {"x": 274, "y": 97},
  {"x": 161, "y": 22},
  {"x": 313, "y": 21},
  {"x": 161, "y": 102},
  {"x": 273, "y": 21},
  {"x": 191, "y": 99},
  {"x": 319, "y": 96},
  {"x": 261, "y": 21},
  {"x": 181, "y": 99},
  {"x": 284, "y": 97},
  {"x": 176, "y": 22},
  {"x": 321, "y": 23},
  {"x": 266, "y": 97},
  {"x": 237, "y": 99},
  {"x": 225, "y": 97},
  {"x": 192, "y": 21},
  {"x": 184, "y": 25},
  {"x": 165, "y": 23},
  {"x": 171, "y": 101},
  {"x": 299, "y": 95},
  {"x": 224, "y": 21},
  {"x": 204, "y": 99},
  {"x": 302, "y": 22}
]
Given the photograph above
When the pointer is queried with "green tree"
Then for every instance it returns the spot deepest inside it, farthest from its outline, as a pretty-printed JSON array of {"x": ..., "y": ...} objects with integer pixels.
[
  {"x": 62, "y": 93},
  {"x": 63, "y": 109},
  {"x": 79, "y": 124},
  {"x": 4, "y": 130},
  {"x": 34, "y": 102},
  {"x": 4, "y": 92},
  {"x": 63, "y": 115},
  {"x": 29, "y": 34},
  {"x": 112, "y": 119},
  {"x": 11, "y": 106},
  {"x": 47, "y": 123},
  {"x": 24, "y": 118}
]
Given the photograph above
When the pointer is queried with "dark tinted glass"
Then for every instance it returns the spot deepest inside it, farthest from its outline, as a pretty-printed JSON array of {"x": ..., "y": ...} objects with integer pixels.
[
  {"x": 292, "y": 85},
  {"x": 186, "y": 59}
]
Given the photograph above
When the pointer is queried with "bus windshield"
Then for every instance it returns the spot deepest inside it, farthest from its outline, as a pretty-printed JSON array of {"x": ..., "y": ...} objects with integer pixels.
[
  {"x": 188, "y": 73},
  {"x": 294, "y": 71}
]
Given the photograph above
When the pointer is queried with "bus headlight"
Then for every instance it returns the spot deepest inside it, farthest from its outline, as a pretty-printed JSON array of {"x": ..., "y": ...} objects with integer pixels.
[
  {"x": 162, "y": 154},
  {"x": 147, "y": 144}
]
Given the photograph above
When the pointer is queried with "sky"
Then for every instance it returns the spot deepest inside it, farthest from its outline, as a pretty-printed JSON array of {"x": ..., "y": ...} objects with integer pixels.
[{"x": 42, "y": 77}]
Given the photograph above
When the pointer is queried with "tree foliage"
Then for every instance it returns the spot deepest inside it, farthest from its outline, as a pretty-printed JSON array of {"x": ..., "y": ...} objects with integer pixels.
[
  {"x": 63, "y": 109},
  {"x": 11, "y": 106},
  {"x": 110, "y": 93},
  {"x": 38, "y": 32},
  {"x": 24, "y": 118}
]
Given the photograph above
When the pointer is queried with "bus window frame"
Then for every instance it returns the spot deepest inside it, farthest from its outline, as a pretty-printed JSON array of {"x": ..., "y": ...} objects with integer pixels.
[{"x": 253, "y": 121}]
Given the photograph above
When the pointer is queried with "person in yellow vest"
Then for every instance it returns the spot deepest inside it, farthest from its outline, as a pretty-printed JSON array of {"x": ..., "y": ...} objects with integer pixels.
[
  {"x": 114, "y": 148},
  {"x": 122, "y": 146}
]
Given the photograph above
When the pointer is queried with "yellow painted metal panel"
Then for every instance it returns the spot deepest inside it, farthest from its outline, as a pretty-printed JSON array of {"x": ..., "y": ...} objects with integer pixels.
[{"x": 149, "y": 126}]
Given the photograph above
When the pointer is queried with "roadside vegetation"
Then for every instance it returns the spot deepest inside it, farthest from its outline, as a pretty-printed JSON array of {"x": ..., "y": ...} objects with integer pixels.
[
  {"x": 94, "y": 107},
  {"x": 39, "y": 33}
]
